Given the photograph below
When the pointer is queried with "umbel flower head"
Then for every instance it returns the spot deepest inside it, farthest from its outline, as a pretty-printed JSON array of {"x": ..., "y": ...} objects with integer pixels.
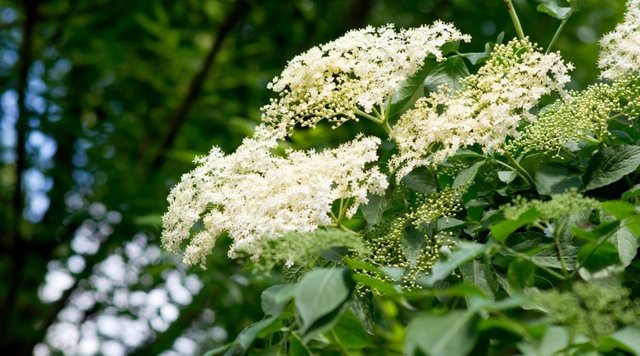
[
  {"x": 620, "y": 53},
  {"x": 253, "y": 194},
  {"x": 354, "y": 73},
  {"x": 488, "y": 108}
]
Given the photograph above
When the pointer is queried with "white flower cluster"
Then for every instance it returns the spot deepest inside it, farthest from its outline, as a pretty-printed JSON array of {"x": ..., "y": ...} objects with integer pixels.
[
  {"x": 253, "y": 194},
  {"x": 356, "y": 72},
  {"x": 486, "y": 110},
  {"x": 621, "y": 48}
]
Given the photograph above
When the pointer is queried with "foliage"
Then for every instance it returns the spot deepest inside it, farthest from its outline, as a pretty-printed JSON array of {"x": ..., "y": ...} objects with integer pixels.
[
  {"x": 104, "y": 104},
  {"x": 470, "y": 250}
]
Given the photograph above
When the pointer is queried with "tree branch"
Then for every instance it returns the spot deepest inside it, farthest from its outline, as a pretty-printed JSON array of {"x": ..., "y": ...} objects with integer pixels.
[{"x": 179, "y": 117}]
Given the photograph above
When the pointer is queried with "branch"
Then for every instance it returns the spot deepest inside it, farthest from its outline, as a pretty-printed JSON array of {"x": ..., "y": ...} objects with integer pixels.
[{"x": 179, "y": 117}]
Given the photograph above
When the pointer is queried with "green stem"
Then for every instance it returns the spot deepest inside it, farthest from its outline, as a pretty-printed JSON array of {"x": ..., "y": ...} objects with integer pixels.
[
  {"x": 368, "y": 116},
  {"x": 521, "y": 171},
  {"x": 556, "y": 240},
  {"x": 337, "y": 342},
  {"x": 514, "y": 18},
  {"x": 557, "y": 34},
  {"x": 530, "y": 259}
]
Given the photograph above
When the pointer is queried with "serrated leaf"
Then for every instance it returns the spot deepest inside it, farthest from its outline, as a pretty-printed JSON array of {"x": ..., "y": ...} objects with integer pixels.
[
  {"x": 448, "y": 73},
  {"x": 474, "y": 272},
  {"x": 555, "y": 11},
  {"x": 610, "y": 165},
  {"x": 375, "y": 208},
  {"x": 451, "y": 334}
]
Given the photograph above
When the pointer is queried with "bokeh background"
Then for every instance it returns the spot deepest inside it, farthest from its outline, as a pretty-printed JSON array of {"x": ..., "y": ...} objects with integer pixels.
[{"x": 103, "y": 105}]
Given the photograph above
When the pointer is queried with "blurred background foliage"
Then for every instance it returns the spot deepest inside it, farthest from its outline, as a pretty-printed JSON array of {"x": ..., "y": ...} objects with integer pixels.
[{"x": 104, "y": 104}]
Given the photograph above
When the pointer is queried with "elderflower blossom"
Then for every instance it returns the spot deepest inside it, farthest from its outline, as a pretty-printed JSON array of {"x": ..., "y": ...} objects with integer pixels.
[
  {"x": 488, "y": 108},
  {"x": 352, "y": 74},
  {"x": 621, "y": 48},
  {"x": 253, "y": 194}
]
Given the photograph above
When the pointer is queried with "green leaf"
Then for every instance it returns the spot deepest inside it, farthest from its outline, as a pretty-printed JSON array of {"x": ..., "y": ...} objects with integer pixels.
[
  {"x": 249, "y": 335},
  {"x": 507, "y": 176},
  {"x": 475, "y": 273},
  {"x": 626, "y": 243},
  {"x": 610, "y": 165},
  {"x": 275, "y": 298},
  {"x": 618, "y": 208},
  {"x": 521, "y": 274},
  {"x": 375, "y": 283},
  {"x": 375, "y": 208},
  {"x": 555, "y": 11},
  {"x": 421, "y": 180},
  {"x": 463, "y": 253},
  {"x": 555, "y": 339},
  {"x": 503, "y": 229},
  {"x": 467, "y": 175},
  {"x": 410, "y": 90},
  {"x": 632, "y": 193},
  {"x": 448, "y": 73},
  {"x": 320, "y": 292},
  {"x": 350, "y": 332},
  {"x": 595, "y": 257},
  {"x": 555, "y": 178},
  {"x": 633, "y": 224},
  {"x": 450, "y": 334},
  {"x": 628, "y": 338}
]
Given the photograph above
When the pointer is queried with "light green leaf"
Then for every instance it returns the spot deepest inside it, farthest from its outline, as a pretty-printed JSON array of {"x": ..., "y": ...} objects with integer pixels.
[
  {"x": 463, "y": 253},
  {"x": 503, "y": 229},
  {"x": 320, "y": 292},
  {"x": 275, "y": 298},
  {"x": 555, "y": 339},
  {"x": 555, "y": 11},
  {"x": 618, "y": 208},
  {"x": 626, "y": 243},
  {"x": 610, "y": 165},
  {"x": 629, "y": 338},
  {"x": 450, "y": 334}
]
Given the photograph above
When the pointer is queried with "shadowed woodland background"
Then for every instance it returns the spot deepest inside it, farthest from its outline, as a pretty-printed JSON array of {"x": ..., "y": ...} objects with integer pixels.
[{"x": 103, "y": 105}]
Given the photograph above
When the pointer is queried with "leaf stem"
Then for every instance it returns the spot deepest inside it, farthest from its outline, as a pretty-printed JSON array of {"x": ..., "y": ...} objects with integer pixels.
[
  {"x": 514, "y": 18},
  {"x": 521, "y": 171},
  {"x": 556, "y": 240},
  {"x": 557, "y": 34}
]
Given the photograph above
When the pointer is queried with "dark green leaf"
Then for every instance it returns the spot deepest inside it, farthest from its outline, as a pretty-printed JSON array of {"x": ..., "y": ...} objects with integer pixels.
[
  {"x": 421, "y": 180},
  {"x": 450, "y": 334},
  {"x": 375, "y": 208},
  {"x": 410, "y": 90},
  {"x": 610, "y": 165},
  {"x": 554, "y": 178},
  {"x": 521, "y": 274},
  {"x": 448, "y": 73}
]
